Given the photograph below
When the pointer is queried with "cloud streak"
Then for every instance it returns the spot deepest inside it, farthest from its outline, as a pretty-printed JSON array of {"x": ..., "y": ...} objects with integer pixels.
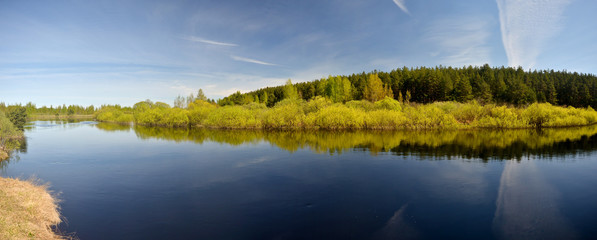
[
  {"x": 202, "y": 40},
  {"x": 249, "y": 60},
  {"x": 526, "y": 25},
  {"x": 401, "y": 5}
]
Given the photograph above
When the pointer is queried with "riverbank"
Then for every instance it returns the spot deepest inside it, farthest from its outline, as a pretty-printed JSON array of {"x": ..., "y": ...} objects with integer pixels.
[
  {"x": 27, "y": 210},
  {"x": 321, "y": 113}
]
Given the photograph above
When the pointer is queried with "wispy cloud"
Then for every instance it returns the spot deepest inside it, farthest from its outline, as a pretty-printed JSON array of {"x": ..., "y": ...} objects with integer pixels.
[
  {"x": 249, "y": 60},
  {"x": 526, "y": 25},
  {"x": 460, "y": 41},
  {"x": 401, "y": 5},
  {"x": 202, "y": 40}
]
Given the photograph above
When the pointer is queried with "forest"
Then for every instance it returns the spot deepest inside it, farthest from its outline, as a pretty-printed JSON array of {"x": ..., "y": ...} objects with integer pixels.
[{"x": 504, "y": 85}]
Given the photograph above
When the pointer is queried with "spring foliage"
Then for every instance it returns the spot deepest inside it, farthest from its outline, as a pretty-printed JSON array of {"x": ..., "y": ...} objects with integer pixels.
[{"x": 323, "y": 113}]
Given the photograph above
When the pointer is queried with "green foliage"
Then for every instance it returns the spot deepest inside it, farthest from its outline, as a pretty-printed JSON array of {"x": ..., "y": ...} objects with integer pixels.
[
  {"x": 286, "y": 114},
  {"x": 502, "y": 117},
  {"x": 386, "y": 119},
  {"x": 18, "y": 116},
  {"x": 361, "y": 104},
  {"x": 487, "y": 85},
  {"x": 388, "y": 103},
  {"x": 198, "y": 111},
  {"x": 321, "y": 112},
  {"x": 538, "y": 115},
  {"x": 114, "y": 114},
  {"x": 9, "y": 136},
  {"x": 233, "y": 117},
  {"x": 337, "y": 89},
  {"x": 462, "y": 90},
  {"x": 290, "y": 91},
  {"x": 317, "y": 104},
  {"x": 375, "y": 90},
  {"x": 337, "y": 117}
]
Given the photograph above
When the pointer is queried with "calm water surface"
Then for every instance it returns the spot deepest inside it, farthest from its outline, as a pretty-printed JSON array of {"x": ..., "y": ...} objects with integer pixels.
[{"x": 122, "y": 182}]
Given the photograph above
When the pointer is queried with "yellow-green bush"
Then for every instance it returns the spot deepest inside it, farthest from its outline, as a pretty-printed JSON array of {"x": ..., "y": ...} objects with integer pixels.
[
  {"x": 468, "y": 112},
  {"x": 286, "y": 114},
  {"x": 384, "y": 114},
  {"x": 338, "y": 117},
  {"x": 360, "y": 104},
  {"x": 429, "y": 117},
  {"x": 385, "y": 119},
  {"x": 316, "y": 104},
  {"x": 388, "y": 103},
  {"x": 538, "y": 114},
  {"x": 110, "y": 114},
  {"x": 198, "y": 111},
  {"x": 174, "y": 117},
  {"x": 502, "y": 117},
  {"x": 233, "y": 117}
]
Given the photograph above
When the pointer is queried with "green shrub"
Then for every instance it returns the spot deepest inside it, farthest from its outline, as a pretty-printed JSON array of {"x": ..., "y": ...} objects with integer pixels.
[
  {"x": 288, "y": 114},
  {"x": 233, "y": 117},
  {"x": 338, "y": 117},
  {"x": 429, "y": 117},
  {"x": 385, "y": 119},
  {"x": 468, "y": 112},
  {"x": 317, "y": 104},
  {"x": 388, "y": 103},
  {"x": 361, "y": 105},
  {"x": 502, "y": 117},
  {"x": 198, "y": 111},
  {"x": 538, "y": 114}
]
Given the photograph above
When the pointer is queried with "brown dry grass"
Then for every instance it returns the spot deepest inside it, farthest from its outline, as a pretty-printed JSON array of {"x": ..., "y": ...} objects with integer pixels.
[{"x": 27, "y": 210}]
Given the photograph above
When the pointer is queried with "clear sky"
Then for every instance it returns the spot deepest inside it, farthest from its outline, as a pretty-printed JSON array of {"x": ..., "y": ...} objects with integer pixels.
[{"x": 121, "y": 52}]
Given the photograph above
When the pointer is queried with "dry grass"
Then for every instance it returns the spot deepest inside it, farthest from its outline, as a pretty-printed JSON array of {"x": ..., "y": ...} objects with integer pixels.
[{"x": 27, "y": 210}]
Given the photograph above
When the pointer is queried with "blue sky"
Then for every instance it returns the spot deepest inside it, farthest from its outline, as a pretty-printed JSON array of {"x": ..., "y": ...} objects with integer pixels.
[{"x": 122, "y": 52}]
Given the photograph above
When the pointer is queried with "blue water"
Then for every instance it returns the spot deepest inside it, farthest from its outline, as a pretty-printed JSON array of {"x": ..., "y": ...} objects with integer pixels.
[{"x": 118, "y": 183}]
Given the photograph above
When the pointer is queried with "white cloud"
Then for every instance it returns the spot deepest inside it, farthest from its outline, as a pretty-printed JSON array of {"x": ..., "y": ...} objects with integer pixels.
[
  {"x": 201, "y": 40},
  {"x": 249, "y": 60},
  {"x": 526, "y": 25},
  {"x": 401, "y": 5},
  {"x": 460, "y": 42}
]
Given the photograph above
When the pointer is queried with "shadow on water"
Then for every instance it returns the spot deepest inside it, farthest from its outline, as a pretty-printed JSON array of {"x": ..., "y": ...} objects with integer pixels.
[{"x": 481, "y": 144}]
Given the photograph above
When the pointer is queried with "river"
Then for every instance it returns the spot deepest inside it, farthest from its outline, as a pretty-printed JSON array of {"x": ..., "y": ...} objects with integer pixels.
[{"x": 132, "y": 182}]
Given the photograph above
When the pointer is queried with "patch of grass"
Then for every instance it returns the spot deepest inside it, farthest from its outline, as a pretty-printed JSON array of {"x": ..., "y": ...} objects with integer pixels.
[{"x": 27, "y": 210}]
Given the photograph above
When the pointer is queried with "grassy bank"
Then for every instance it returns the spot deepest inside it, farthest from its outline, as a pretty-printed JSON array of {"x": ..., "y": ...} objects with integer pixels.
[
  {"x": 27, "y": 211},
  {"x": 321, "y": 113}
]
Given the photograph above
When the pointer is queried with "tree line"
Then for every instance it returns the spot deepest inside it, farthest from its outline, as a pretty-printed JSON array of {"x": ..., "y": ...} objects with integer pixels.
[
  {"x": 31, "y": 109},
  {"x": 503, "y": 85}
]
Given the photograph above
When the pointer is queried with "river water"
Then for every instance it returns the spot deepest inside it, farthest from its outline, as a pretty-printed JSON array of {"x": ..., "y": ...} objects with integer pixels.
[{"x": 124, "y": 182}]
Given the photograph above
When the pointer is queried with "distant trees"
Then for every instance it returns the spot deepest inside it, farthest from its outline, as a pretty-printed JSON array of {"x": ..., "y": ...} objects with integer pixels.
[
  {"x": 182, "y": 102},
  {"x": 503, "y": 85}
]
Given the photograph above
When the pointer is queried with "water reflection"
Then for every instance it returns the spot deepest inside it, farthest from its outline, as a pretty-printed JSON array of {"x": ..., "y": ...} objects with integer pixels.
[
  {"x": 365, "y": 185},
  {"x": 527, "y": 206},
  {"x": 481, "y": 144}
]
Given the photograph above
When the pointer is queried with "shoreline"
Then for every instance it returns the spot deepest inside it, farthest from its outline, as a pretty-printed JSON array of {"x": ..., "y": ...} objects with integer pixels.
[{"x": 27, "y": 210}]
